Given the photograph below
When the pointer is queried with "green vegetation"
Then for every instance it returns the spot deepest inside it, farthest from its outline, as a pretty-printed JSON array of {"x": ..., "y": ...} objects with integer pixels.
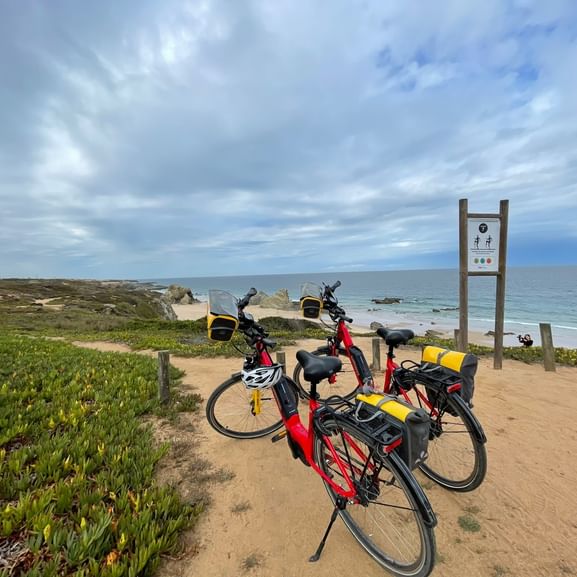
[
  {"x": 77, "y": 464},
  {"x": 68, "y": 305},
  {"x": 469, "y": 523},
  {"x": 189, "y": 338},
  {"x": 253, "y": 561}
]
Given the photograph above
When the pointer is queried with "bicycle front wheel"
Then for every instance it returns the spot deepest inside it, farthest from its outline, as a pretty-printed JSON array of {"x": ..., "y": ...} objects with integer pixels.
[
  {"x": 234, "y": 411},
  {"x": 344, "y": 382},
  {"x": 387, "y": 521}
]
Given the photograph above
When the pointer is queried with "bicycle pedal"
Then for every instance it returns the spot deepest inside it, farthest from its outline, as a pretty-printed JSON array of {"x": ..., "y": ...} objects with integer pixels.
[{"x": 279, "y": 436}]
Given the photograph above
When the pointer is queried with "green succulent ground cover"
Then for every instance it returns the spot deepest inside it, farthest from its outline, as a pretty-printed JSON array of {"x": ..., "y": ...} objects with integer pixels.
[{"x": 77, "y": 489}]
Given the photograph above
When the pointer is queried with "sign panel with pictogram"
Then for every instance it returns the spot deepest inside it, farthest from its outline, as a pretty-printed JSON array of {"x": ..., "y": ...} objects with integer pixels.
[{"x": 483, "y": 244}]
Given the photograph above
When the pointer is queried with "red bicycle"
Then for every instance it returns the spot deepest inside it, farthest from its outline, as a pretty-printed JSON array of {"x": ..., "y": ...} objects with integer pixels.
[
  {"x": 457, "y": 456},
  {"x": 372, "y": 488}
]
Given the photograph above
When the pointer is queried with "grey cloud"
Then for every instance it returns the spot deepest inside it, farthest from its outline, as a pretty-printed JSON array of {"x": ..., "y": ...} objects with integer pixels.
[{"x": 163, "y": 138}]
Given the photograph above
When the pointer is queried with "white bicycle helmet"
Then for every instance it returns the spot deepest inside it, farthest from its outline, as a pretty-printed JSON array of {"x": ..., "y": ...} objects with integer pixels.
[{"x": 261, "y": 377}]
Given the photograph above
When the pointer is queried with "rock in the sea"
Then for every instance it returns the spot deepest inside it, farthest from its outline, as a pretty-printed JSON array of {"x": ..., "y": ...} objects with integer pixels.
[
  {"x": 180, "y": 295},
  {"x": 387, "y": 301},
  {"x": 376, "y": 325}
]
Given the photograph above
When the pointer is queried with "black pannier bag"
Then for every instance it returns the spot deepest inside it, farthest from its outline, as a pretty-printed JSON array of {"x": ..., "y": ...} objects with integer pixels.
[
  {"x": 412, "y": 422},
  {"x": 445, "y": 365}
]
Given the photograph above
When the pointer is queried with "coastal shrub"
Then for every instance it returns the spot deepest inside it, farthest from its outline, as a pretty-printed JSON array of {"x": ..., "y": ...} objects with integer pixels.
[
  {"x": 189, "y": 338},
  {"x": 77, "y": 464}
]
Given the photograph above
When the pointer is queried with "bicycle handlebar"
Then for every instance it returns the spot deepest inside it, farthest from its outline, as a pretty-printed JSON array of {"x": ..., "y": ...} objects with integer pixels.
[
  {"x": 330, "y": 302},
  {"x": 243, "y": 302}
]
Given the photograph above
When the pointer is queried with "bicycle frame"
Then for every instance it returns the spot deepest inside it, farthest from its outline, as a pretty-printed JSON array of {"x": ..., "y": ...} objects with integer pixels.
[{"x": 304, "y": 437}]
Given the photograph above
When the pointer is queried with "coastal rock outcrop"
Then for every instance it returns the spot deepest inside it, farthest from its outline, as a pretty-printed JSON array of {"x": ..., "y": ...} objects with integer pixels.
[
  {"x": 387, "y": 301},
  {"x": 179, "y": 295},
  {"x": 376, "y": 325},
  {"x": 279, "y": 300}
]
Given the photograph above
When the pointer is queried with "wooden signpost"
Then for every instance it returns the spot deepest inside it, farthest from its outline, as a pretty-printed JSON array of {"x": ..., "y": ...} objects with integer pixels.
[{"x": 482, "y": 252}]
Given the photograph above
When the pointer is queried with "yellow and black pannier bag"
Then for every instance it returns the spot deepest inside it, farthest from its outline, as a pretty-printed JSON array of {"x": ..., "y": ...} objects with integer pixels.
[
  {"x": 222, "y": 315},
  {"x": 455, "y": 364},
  {"x": 413, "y": 422},
  {"x": 311, "y": 300}
]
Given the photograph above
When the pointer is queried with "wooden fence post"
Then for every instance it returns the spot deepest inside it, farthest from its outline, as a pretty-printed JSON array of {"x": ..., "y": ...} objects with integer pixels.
[
  {"x": 547, "y": 346},
  {"x": 163, "y": 376},
  {"x": 376, "y": 365},
  {"x": 281, "y": 360}
]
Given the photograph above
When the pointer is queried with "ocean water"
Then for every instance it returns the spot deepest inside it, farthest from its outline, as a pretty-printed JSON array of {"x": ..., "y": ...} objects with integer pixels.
[{"x": 533, "y": 295}]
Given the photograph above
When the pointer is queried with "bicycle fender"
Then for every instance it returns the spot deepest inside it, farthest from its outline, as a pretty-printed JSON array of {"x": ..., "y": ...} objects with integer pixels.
[
  {"x": 477, "y": 427},
  {"x": 421, "y": 499}
]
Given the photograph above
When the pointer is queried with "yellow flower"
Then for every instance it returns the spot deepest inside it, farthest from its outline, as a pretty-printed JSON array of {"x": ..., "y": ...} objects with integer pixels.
[
  {"x": 46, "y": 532},
  {"x": 82, "y": 523}
]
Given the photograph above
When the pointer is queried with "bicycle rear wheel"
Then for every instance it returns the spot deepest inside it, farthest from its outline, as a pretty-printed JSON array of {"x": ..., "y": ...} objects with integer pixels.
[
  {"x": 457, "y": 457},
  {"x": 234, "y": 411},
  {"x": 344, "y": 382},
  {"x": 388, "y": 522}
]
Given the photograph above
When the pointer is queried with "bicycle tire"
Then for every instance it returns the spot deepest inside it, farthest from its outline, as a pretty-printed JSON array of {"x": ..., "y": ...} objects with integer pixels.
[
  {"x": 403, "y": 518},
  {"x": 346, "y": 380},
  {"x": 457, "y": 457},
  {"x": 231, "y": 402}
]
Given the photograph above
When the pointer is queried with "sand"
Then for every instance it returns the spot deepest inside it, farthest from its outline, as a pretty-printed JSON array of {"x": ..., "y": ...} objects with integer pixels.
[{"x": 526, "y": 507}]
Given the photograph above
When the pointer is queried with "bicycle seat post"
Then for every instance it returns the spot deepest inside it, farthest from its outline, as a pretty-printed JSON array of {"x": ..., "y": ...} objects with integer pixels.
[{"x": 314, "y": 394}]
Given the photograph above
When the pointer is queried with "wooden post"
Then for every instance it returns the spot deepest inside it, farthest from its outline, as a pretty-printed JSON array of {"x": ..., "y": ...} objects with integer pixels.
[
  {"x": 456, "y": 338},
  {"x": 281, "y": 360},
  {"x": 500, "y": 304},
  {"x": 163, "y": 376},
  {"x": 376, "y": 365},
  {"x": 463, "y": 342},
  {"x": 547, "y": 346}
]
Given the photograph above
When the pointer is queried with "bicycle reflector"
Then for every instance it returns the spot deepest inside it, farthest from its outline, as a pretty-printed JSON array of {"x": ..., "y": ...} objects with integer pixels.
[
  {"x": 222, "y": 315},
  {"x": 311, "y": 300},
  {"x": 261, "y": 377}
]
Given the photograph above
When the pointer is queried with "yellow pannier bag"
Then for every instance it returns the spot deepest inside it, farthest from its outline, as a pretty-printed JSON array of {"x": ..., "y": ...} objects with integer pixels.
[
  {"x": 462, "y": 364},
  {"x": 413, "y": 422},
  {"x": 222, "y": 315},
  {"x": 311, "y": 300}
]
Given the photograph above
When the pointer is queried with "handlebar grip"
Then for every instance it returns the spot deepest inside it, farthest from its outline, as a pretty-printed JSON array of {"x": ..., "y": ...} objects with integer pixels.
[
  {"x": 336, "y": 286},
  {"x": 243, "y": 302}
]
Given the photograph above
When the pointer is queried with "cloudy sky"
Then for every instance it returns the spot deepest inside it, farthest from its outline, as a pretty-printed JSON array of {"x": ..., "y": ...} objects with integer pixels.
[{"x": 163, "y": 138}]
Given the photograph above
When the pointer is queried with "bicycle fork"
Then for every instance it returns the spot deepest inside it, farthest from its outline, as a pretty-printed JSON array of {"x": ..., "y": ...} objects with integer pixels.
[{"x": 339, "y": 506}]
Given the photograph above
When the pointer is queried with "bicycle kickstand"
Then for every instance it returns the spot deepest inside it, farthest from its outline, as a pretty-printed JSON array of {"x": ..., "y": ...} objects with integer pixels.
[{"x": 339, "y": 506}]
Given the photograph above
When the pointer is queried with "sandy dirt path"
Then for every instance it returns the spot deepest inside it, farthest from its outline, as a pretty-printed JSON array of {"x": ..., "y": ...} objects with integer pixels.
[{"x": 526, "y": 507}]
